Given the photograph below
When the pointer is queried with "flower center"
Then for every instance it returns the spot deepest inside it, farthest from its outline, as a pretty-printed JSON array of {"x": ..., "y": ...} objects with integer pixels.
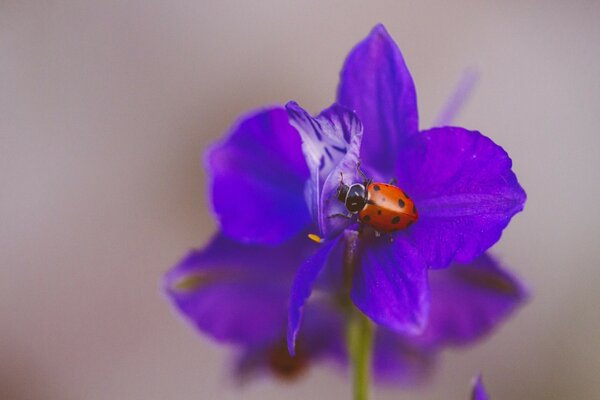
[{"x": 286, "y": 366}]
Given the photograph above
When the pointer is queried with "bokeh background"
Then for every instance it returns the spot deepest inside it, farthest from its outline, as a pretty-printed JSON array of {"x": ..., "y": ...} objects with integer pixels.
[{"x": 106, "y": 107}]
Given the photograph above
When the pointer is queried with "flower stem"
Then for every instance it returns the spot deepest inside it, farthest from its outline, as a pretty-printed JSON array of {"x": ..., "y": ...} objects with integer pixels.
[
  {"x": 359, "y": 342},
  {"x": 359, "y": 330}
]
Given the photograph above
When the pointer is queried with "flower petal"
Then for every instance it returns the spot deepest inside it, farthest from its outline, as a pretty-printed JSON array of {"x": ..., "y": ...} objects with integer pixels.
[
  {"x": 375, "y": 82},
  {"x": 321, "y": 337},
  {"x": 235, "y": 292},
  {"x": 390, "y": 285},
  {"x": 468, "y": 301},
  {"x": 479, "y": 392},
  {"x": 258, "y": 175},
  {"x": 464, "y": 189},
  {"x": 302, "y": 288},
  {"x": 399, "y": 361},
  {"x": 331, "y": 143}
]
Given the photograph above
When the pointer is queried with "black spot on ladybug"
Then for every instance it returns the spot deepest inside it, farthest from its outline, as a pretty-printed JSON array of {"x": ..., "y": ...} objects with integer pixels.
[
  {"x": 395, "y": 220},
  {"x": 376, "y": 188},
  {"x": 401, "y": 203},
  {"x": 367, "y": 218},
  {"x": 371, "y": 202},
  {"x": 378, "y": 212}
]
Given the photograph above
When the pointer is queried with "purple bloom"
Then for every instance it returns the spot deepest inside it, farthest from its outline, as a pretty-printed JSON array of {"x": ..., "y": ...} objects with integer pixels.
[
  {"x": 237, "y": 294},
  {"x": 273, "y": 180},
  {"x": 479, "y": 392}
]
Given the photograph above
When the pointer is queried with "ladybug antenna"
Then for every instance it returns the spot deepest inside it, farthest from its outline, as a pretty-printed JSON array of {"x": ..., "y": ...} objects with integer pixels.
[
  {"x": 341, "y": 177},
  {"x": 360, "y": 172}
]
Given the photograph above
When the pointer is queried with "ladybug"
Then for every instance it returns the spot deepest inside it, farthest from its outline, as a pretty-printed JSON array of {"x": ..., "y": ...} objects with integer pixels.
[{"x": 384, "y": 207}]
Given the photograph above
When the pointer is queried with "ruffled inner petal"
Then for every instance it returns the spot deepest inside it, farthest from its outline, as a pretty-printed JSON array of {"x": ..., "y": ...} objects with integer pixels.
[{"x": 331, "y": 143}]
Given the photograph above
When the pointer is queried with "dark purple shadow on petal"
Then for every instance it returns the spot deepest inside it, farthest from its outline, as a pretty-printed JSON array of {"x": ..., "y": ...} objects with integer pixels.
[
  {"x": 331, "y": 143},
  {"x": 235, "y": 292},
  {"x": 399, "y": 361},
  {"x": 302, "y": 288},
  {"x": 464, "y": 189},
  {"x": 478, "y": 392},
  {"x": 257, "y": 178},
  {"x": 390, "y": 285},
  {"x": 469, "y": 301},
  {"x": 321, "y": 338},
  {"x": 375, "y": 82}
]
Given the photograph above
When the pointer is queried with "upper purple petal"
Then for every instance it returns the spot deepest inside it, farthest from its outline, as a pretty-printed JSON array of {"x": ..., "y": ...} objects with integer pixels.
[
  {"x": 258, "y": 173},
  {"x": 331, "y": 143},
  {"x": 236, "y": 292},
  {"x": 390, "y": 285},
  {"x": 464, "y": 189},
  {"x": 479, "y": 392},
  {"x": 376, "y": 83},
  {"x": 468, "y": 301},
  {"x": 302, "y": 288}
]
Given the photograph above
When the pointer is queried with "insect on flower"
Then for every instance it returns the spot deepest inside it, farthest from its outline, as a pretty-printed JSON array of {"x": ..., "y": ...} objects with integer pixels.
[{"x": 384, "y": 207}]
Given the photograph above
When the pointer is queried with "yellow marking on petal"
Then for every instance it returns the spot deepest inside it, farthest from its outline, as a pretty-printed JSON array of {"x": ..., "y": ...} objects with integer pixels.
[
  {"x": 315, "y": 238},
  {"x": 189, "y": 283}
]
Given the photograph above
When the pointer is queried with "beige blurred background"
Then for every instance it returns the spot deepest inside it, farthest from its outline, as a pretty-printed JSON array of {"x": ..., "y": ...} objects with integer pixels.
[{"x": 105, "y": 108}]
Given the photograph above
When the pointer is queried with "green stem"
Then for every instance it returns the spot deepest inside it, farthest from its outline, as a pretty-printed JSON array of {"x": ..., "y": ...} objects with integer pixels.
[
  {"x": 360, "y": 342},
  {"x": 359, "y": 330}
]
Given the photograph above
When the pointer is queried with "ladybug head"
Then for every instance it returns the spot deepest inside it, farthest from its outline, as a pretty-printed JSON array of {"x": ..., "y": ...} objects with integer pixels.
[{"x": 354, "y": 197}]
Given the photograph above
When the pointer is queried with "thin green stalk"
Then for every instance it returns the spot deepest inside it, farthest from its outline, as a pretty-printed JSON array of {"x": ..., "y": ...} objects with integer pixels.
[
  {"x": 360, "y": 345},
  {"x": 359, "y": 330}
]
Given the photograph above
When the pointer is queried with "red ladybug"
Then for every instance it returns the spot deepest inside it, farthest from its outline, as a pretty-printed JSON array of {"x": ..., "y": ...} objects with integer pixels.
[{"x": 384, "y": 207}]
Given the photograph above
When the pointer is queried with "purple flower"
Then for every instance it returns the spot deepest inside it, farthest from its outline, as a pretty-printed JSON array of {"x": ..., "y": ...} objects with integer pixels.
[
  {"x": 273, "y": 180},
  {"x": 237, "y": 294},
  {"x": 479, "y": 392}
]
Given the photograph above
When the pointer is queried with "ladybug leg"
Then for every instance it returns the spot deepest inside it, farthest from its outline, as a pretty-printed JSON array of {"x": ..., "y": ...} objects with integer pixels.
[
  {"x": 394, "y": 181},
  {"x": 339, "y": 215}
]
